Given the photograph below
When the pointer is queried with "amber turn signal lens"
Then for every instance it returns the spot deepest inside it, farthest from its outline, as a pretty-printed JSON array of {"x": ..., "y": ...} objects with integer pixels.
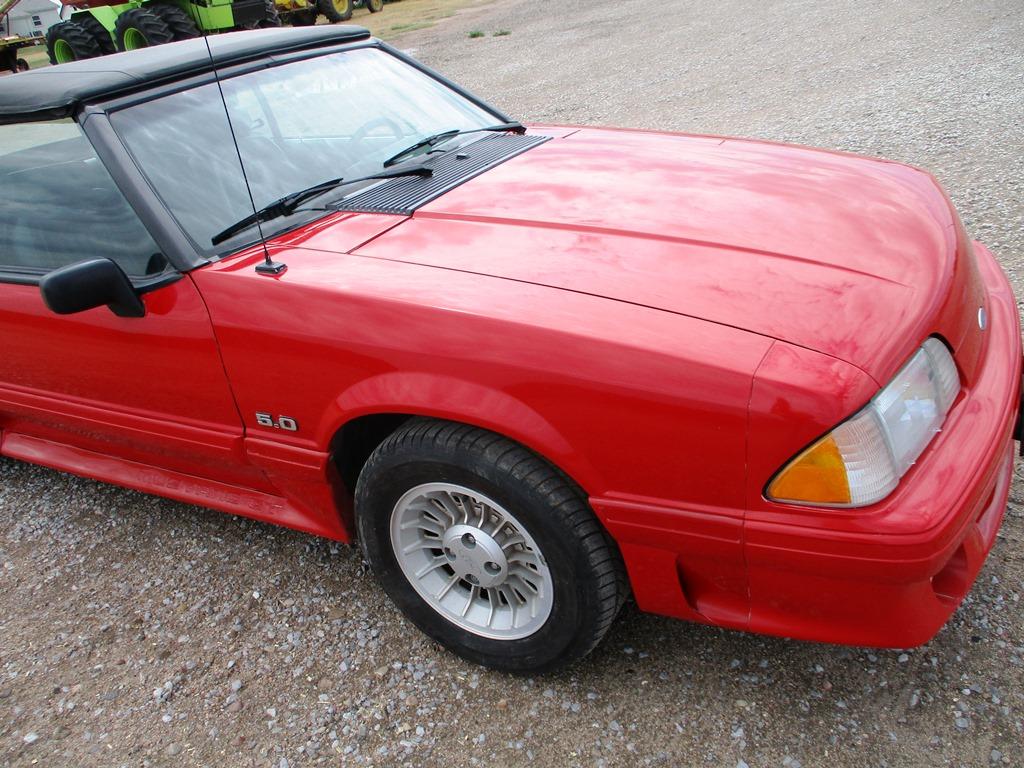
[{"x": 818, "y": 476}]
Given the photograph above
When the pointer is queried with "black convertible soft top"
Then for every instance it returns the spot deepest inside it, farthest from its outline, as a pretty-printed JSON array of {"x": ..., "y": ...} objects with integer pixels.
[{"x": 55, "y": 92}]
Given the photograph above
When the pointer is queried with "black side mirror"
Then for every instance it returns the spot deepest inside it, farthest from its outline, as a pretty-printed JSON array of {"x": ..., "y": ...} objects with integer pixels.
[{"x": 90, "y": 284}]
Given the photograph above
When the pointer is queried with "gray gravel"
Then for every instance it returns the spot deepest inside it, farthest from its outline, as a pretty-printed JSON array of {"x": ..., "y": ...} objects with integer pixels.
[{"x": 137, "y": 631}]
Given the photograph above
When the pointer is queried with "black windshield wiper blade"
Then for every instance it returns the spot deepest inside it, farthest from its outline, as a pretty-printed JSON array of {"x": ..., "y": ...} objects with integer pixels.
[
  {"x": 288, "y": 204},
  {"x": 437, "y": 138}
]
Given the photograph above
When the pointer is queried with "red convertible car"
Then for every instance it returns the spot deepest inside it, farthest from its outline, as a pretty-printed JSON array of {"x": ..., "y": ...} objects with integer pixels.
[{"x": 297, "y": 276}]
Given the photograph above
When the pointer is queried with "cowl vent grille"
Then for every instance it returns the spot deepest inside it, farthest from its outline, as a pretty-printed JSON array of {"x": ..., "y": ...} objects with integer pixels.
[{"x": 404, "y": 195}]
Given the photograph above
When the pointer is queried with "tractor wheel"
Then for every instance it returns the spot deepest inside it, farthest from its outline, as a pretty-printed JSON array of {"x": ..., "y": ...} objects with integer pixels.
[
  {"x": 304, "y": 18},
  {"x": 374, "y": 6},
  {"x": 270, "y": 19},
  {"x": 21, "y": 66},
  {"x": 97, "y": 30},
  {"x": 141, "y": 28},
  {"x": 70, "y": 41},
  {"x": 179, "y": 22},
  {"x": 335, "y": 10}
]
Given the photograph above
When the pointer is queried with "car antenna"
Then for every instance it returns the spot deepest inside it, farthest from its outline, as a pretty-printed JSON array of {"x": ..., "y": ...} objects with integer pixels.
[{"x": 269, "y": 266}]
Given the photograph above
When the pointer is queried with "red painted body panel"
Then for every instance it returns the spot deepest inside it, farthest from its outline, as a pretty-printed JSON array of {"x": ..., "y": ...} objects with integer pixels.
[
  {"x": 844, "y": 255},
  {"x": 150, "y": 390},
  {"x": 667, "y": 318}
]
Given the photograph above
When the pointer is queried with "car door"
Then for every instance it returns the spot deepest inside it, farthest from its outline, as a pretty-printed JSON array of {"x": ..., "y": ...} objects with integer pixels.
[{"x": 88, "y": 387}]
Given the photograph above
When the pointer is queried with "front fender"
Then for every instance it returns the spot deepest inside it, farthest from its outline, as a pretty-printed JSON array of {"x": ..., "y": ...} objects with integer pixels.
[{"x": 448, "y": 397}]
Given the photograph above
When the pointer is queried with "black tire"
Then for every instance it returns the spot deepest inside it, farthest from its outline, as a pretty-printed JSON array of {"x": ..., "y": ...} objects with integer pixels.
[
  {"x": 152, "y": 28},
  {"x": 587, "y": 575},
  {"x": 271, "y": 18},
  {"x": 180, "y": 23},
  {"x": 21, "y": 66},
  {"x": 374, "y": 6},
  {"x": 97, "y": 30},
  {"x": 303, "y": 18},
  {"x": 77, "y": 38},
  {"x": 330, "y": 10}
]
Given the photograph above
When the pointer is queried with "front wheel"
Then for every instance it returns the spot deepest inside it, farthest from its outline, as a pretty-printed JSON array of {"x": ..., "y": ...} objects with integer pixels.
[
  {"x": 486, "y": 547},
  {"x": 374, "y": 6}
]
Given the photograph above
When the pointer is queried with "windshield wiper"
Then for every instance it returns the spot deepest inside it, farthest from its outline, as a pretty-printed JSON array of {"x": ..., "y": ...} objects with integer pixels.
[
  {"x": 438, "y": 138},
  {"x": 288, "y": 204}
]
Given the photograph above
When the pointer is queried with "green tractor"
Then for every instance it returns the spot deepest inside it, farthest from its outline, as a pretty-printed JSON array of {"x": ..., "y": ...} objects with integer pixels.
[{"x": 98, "y": 27}]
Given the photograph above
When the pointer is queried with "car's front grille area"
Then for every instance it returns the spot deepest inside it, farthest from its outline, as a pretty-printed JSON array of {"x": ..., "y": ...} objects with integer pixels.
[{"x": 404, "y": 195}]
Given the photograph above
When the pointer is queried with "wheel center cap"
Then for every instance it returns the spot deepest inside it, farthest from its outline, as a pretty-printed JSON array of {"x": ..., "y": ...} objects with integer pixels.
[{"x": 475, "y": 556}]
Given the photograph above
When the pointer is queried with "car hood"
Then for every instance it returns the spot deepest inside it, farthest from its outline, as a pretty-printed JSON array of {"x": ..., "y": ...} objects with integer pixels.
[{"x": 845, "y": 255}]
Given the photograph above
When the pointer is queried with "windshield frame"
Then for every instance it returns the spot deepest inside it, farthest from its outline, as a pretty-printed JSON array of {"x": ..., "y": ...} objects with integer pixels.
[{"x": 97, "y": 116}]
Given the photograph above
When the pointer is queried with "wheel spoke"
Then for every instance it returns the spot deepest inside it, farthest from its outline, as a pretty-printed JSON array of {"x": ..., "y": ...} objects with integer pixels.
[
  {"x": 512, "y": 542},
  {"x": 447, "y": 587},
  {"x": 473, "y": 593},
  {"x": 526, "y": 582},
  {"x": 464, "y": 505},
  {"x": 522, "y": 556},
  {"x": 501, "y": 520},
  {"x": 491, "y": 599},
  {"x": 420, "y": 545},
  {"x": 433, "y": 565},
  {"x": 511, "y": 600},
  {"x": 450, "y": 509},
  {"x": 424, "y": 523}
]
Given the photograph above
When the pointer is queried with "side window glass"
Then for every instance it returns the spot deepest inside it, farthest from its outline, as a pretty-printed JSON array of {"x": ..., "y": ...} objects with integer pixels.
[{"x": 61, "y": 206}]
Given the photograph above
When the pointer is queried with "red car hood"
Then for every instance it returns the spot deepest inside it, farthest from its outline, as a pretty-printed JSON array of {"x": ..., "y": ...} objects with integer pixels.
[{"x": 852, "y": 257}]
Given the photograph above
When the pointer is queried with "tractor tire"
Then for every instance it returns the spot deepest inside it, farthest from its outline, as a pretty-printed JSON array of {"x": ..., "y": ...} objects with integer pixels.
[
  {"x": 304, "y": 18},
  {"x": 180, "y": 23},
  {"x": 374, "y": 6},
  {"x": 97, "y": 30},
  {"x": 271, "y": 18},
  {"x": 70, "y": 41},
  {"x": 335, "y": 10},
  {"x": 141, "y": 28}
]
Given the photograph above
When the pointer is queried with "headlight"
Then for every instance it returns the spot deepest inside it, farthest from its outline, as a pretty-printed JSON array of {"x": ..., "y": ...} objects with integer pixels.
[{"x": 861, "y": 461}]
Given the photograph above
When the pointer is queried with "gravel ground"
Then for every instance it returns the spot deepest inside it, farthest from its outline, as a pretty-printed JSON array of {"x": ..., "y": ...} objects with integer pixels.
[{"x": 137, "y": 631}]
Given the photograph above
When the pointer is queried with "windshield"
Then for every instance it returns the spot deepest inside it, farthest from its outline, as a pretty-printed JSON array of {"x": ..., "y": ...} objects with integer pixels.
[{"x": 297, "y": 125}]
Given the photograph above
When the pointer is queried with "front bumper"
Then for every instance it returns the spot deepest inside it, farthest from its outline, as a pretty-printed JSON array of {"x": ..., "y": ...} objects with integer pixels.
[
  {"x": 889, "y": 575},
  {"x": 897, "y": 589}
]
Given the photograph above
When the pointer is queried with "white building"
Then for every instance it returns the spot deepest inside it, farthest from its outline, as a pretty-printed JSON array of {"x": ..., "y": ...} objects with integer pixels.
[{"x": 29, "y": 18}]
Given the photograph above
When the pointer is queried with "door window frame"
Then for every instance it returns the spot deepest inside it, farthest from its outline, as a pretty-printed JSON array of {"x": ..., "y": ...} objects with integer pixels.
[{"x": 129, "y": 183}]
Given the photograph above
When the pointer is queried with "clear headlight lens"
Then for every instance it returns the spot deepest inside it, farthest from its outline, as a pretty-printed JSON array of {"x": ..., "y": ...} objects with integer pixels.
[{"x": 861, "y": 461}]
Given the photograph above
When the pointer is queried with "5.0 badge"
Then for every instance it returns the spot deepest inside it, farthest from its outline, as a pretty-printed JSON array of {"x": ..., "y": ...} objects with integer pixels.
[{"x": 281, "y": 422}]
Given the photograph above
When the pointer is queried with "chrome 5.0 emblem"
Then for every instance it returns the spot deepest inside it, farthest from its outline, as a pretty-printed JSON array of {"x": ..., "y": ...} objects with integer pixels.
[{"x": 982, "y": 318}]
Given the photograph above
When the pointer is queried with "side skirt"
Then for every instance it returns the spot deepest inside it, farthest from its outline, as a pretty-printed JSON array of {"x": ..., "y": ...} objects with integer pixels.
[{"x": 174, "y": 485}]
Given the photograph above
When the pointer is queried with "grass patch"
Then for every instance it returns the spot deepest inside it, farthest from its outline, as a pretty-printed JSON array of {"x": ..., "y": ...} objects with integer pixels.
[
  {"x": 502, "y": 32},
  {"x": 476, "y": 33},
  {"x": 412, "y": 26}
]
